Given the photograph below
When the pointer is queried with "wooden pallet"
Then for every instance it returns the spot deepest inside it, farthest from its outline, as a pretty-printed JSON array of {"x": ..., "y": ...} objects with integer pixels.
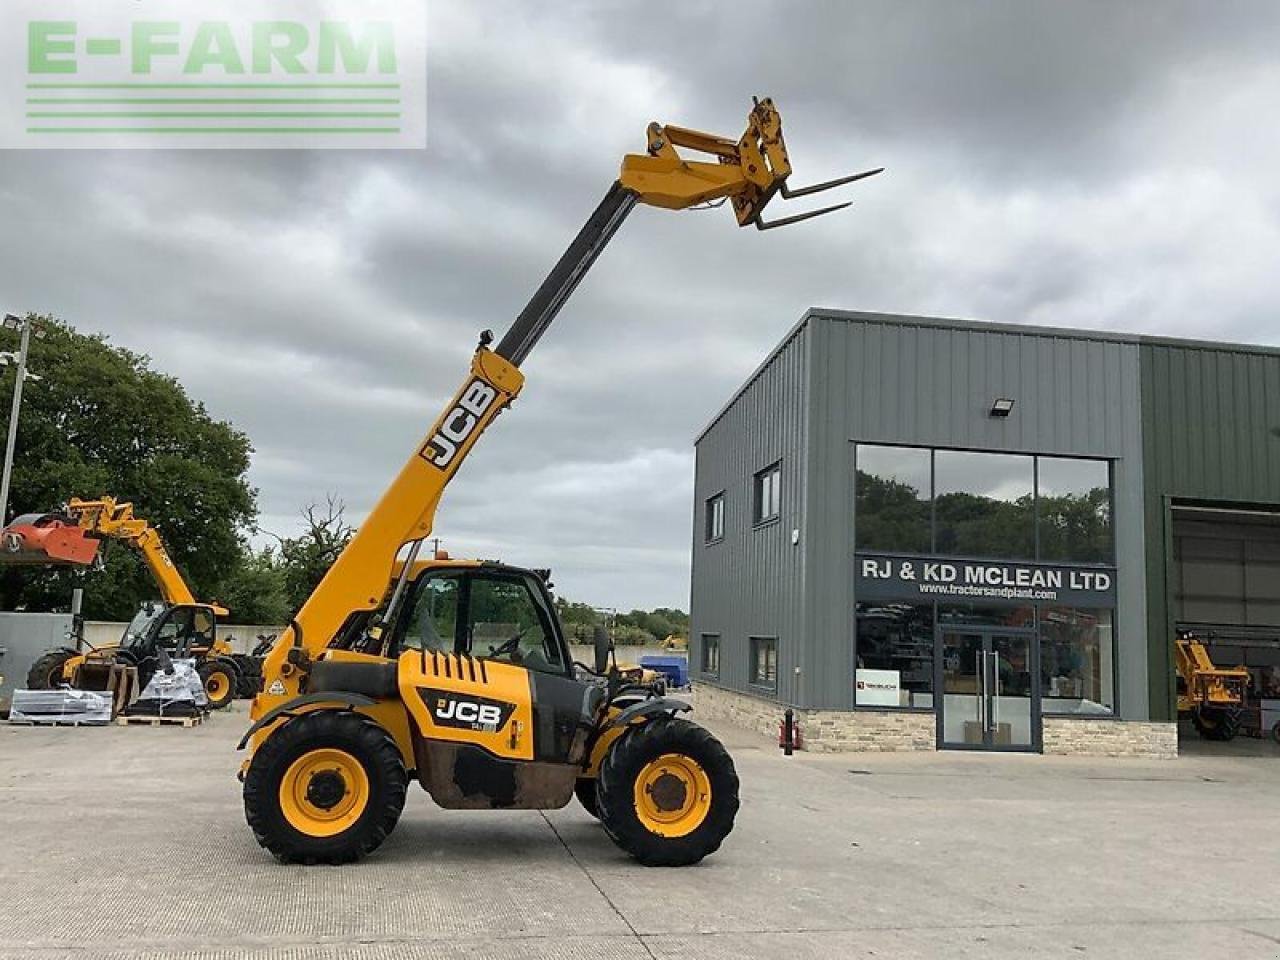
[
  {"x": 155, "y": 721},
  {"x": 57, "y": 722}
]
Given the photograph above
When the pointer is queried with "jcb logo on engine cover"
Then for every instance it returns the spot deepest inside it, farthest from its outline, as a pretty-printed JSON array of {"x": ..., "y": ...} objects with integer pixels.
[
  {"x": 466, "y": 712},
  {"x": 459, "y": 423}
]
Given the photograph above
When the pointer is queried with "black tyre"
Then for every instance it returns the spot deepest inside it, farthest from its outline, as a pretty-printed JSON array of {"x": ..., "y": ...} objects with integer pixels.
[
  {"x": 668, "y": 793},
  {"x": 220, "y": 680},
  {"x": 585, "y": 790},
  {"x": 1217, "y": 723},
  {"x": 46, "y": 673},
  {"x": 249, "y": 680},
  {"x": 326, "y": 787}
]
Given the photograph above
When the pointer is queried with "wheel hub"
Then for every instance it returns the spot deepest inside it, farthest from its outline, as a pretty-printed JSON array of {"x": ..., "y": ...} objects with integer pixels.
[
  {"x": 324, "y": 792},
  {"x": 326, "y": 789},
  {"x": 668, "y": 792},
  {"x": 672, "y": 795}
]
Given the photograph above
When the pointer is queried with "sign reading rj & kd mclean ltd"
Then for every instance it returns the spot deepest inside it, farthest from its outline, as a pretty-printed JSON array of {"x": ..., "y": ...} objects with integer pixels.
[{"x": 923, "y": 579}]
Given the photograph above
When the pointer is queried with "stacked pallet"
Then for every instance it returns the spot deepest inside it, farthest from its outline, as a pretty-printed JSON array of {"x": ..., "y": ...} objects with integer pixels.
[{"x": 62, "y": 707}]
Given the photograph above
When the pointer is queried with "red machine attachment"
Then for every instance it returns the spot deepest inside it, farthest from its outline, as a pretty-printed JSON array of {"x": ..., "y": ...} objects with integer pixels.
[{"x": 46, "y": 538}]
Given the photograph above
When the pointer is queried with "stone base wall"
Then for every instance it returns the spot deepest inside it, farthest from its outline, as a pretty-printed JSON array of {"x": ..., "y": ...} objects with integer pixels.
[
  {"x": 823, "y": 731},
  {"x": 1110, "y": 738},
  {"x": 839, "y": 731}
]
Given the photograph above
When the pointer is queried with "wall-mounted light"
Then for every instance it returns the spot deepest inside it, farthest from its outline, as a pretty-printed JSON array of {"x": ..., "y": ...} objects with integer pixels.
[{"x": 1001, "y": 407}]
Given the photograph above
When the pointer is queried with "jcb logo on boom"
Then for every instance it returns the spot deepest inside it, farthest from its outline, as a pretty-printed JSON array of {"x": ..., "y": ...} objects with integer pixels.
[{"x": 459, "y": 423}]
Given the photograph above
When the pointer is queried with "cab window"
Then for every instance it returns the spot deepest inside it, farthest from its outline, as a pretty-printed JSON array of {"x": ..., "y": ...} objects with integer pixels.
[
  {"x": 175, "y": 629},
  {"x": 435, "y": 616},
  {"x": 506, "y": 622},
  {"x": 202, "y": 627}
]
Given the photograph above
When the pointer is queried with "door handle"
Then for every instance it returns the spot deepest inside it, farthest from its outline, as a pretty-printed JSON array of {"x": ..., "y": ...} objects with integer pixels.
[
  {"x": 995, "y": 684},
  {"x": 980, "y": 676}
]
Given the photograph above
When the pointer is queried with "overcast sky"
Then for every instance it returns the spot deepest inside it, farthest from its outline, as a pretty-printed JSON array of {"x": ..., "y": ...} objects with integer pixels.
[{"x": 1100, "y": 165}]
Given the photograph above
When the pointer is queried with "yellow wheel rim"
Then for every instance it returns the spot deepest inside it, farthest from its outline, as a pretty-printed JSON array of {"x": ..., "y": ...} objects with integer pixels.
[
  {"x": 673, "y": 795},
  {"x": 324, "y": 792},
  {"x": 215, "y": 685}
]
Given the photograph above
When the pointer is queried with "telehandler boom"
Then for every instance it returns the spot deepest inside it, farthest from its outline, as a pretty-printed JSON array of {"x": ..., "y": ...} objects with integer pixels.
[{"x": 457, "y": 672}]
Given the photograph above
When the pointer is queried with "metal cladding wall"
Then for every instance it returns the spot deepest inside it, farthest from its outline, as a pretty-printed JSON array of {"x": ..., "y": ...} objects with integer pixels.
[
  {"x": 910, "y": 380},
  {"x": 1210, "y": 416},
  {"x": 751, "y": 582}
]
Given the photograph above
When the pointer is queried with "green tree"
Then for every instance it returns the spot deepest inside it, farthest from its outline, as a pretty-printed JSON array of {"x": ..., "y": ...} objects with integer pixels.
[
  {"x": 305, "y": 559},
  {"x": 101, "y": 422},
  {"x": 254, "y": 590}
]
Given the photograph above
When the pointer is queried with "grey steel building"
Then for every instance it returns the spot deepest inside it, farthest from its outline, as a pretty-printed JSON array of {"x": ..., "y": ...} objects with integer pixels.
[{"x": 923, "y": 532}]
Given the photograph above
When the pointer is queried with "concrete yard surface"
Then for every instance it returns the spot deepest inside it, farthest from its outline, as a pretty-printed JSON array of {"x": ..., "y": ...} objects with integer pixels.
[{"x": 130, "y": 843}]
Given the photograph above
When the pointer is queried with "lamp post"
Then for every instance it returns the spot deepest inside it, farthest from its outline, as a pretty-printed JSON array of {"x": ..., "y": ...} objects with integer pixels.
[{"x": 12, "y": 322}]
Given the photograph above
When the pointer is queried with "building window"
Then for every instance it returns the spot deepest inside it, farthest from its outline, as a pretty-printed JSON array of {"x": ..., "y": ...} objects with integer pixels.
[
  {"x": 1074, "y": 509},
  {"x": 764, "y": 662},
  {"x": 715, "y": 518},
  {"x": 894, "y": 655},
  {"x": 1077, "y": 669},
  {"x": 893, "y": 498},
  {"x": 984, "y": 504},
  {"x": 974, "y": 504},
  {"x": 767, "y": 499},
  {"x": 711, "y": 654}
]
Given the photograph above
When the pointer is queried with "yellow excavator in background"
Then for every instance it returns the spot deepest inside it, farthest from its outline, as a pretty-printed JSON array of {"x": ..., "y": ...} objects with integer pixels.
[
  {"x": 180, "y": 625},
  {"x": 457, "y": 673},
  {"x": 1210, "y": 695}
]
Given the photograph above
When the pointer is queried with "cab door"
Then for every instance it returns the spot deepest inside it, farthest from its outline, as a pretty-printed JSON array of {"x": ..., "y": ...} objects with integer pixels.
[
  {"x": 483, "y": 662},
  {"x": 510, "y": 619}
]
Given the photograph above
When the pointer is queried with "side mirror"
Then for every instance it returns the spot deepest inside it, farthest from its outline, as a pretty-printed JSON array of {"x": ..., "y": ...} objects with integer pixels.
[{"x": 603, "y": 646}]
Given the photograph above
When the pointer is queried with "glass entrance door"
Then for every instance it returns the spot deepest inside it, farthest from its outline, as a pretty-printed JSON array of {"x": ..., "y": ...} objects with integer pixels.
[{"x": 988, "y": 695}]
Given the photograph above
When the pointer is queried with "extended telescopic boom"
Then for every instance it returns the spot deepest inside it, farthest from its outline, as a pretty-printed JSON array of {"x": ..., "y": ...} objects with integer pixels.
[{"x": 747, "y": 172}]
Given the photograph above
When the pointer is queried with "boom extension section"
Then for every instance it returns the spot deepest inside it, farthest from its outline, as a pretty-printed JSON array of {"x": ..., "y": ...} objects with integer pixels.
[{"x": 748, "y": 172}]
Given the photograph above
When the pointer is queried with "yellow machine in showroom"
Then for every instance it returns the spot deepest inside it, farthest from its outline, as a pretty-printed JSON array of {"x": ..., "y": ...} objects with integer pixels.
[{"x": 456, "y": 673}]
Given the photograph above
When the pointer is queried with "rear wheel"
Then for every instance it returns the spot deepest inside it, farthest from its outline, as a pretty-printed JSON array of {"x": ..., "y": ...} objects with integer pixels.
[
  {"x": 326, "y": 787},
  {"x": 1217, "y": 723},
  {"x": 668, "y": 793},
  {"x": 585, "y": 790},
  {"x": 249, "y": 679},
  {"x": 46, "y": 673},
  {"x": 219, "y": 681}
]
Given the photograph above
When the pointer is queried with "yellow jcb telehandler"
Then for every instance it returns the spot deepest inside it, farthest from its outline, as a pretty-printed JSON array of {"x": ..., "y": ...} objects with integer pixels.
[
  {"x": 179, "y": 626},
  {"x": 457, "y": 673},
  {"x": 1210, "y": 695}
]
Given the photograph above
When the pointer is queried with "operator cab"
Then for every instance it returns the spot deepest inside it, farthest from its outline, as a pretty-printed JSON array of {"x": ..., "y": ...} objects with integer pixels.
[
  {"x": 181, "y": 630},
  {"x": 489, "y": 611}
]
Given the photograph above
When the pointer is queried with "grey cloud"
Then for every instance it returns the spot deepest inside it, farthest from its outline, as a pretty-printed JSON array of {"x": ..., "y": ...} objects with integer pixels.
[{"x": 1091, "y": 164}]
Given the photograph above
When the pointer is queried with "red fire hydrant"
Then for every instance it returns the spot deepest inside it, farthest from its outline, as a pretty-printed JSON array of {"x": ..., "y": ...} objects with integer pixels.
[{"x": 790, "y": 738}]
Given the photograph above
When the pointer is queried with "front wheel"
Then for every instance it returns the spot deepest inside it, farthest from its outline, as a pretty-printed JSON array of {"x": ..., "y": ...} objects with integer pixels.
[
  {"x": 668, "y": 793},
  {"x": 219, "y": 681},
  {"x": 46, "y": 673},
  {"x": 325, "y": 787},
  {"x": 1217, "y": 723},
  {"x": 585, "y": 790}
]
